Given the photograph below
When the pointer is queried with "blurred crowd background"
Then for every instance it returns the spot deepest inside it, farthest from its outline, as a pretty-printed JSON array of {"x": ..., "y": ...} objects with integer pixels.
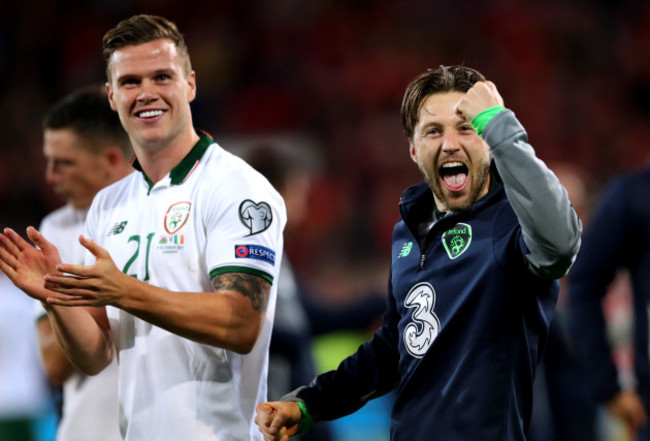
[{"x": 326, "y": 78}]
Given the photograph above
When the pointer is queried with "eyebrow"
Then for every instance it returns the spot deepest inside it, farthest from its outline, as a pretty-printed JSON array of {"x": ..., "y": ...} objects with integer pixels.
[
  {"x": 155, "y": 73},
  {"x": 166, "y": 71}
]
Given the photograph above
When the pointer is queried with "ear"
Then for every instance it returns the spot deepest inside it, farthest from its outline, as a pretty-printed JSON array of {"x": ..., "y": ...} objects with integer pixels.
[
  {"x": 412, "y": 151},
  {"x": 109, "y": 92},
  {"x": 191, "y": 81},
  {"x": 114, "y": 156}
]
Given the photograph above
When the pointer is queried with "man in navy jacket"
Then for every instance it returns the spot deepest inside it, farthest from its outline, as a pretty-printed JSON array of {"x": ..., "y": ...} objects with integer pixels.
[
  {"x": 618, "y": 237},
  {"x": 475, "y": 260}
]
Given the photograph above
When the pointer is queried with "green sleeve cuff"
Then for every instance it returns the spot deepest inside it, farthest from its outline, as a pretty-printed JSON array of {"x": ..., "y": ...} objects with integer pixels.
[
  {"x": 482, "y": 119},
  {"x": 305, "y": 422}
]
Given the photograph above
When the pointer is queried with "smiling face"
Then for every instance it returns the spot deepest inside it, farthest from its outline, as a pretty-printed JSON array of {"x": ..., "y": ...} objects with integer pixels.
[
  {"x": 152, "y": 93},
  {"x": 454, "y": 160}
]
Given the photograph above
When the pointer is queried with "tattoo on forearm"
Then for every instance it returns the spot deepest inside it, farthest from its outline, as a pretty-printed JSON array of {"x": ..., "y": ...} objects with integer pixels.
[{"x": 255, "y": 288}]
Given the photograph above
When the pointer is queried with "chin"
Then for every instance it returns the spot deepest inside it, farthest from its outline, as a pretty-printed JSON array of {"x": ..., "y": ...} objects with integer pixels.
[{"x": 453, "y": 202}]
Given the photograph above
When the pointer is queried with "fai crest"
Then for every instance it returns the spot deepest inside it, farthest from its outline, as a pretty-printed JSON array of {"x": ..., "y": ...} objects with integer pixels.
[
  {"x": 256, "y": 216},
  {"x": 177, "y": 216},
  {"x": 457, "y": 240}
]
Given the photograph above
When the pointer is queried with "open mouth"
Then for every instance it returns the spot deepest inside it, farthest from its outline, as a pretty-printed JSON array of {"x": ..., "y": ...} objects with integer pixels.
[{"x": 454, "y": 175}]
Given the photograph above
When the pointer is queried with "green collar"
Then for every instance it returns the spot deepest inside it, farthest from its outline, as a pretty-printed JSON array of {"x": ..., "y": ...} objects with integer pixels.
[{"x": 182, "y": 170}]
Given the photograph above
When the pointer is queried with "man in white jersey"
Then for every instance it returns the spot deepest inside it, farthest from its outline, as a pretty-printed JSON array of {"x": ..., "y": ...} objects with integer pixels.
[
  {"x": 182, "y": 259},
  {"x": 86, "y": 149}
]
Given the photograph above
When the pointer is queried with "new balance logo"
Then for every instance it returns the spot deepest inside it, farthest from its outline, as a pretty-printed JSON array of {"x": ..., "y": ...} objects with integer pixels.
[
  {"x": 406, "y": 250},
  {"x": 117, "y": 228}
]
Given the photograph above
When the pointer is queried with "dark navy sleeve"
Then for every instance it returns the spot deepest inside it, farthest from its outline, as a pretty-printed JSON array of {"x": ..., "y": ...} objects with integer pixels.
[
  {"x": 369, "y": 373},
  {"x": 604, "y": 251}
]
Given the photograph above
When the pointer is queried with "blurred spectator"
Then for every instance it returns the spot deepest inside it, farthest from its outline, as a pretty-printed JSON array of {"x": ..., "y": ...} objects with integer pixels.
[{"x": 618, "y": 237}]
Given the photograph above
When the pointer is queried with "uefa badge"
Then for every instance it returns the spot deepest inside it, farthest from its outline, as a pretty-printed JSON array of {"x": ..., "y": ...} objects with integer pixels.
[
  {"x": 257, "y": 217},
  {"x": 176, "y": 216},
  {"x": 457, "y": 239}
]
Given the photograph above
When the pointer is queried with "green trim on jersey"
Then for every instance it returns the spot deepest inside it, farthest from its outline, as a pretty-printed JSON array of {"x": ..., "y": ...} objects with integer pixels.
[
  {"x": 178, "y": 174},
  {"x": 241, "y": 269},
  {"x": 183, "y": 169}
]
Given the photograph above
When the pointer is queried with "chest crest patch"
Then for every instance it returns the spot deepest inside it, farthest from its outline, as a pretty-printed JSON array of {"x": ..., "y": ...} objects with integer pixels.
[
  {"x": 457, "y": 239},
  {"x": 176, "y": 216}
]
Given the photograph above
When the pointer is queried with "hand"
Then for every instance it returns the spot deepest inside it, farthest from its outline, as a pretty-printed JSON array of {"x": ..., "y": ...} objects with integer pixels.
[
  {"x": 26, "y": 265},
  {"x": 627, "y": 406},
  {"x": 481, "y": 96},
  {"x": 278, "y": 420},
  {"x": 88, "y": 285}
]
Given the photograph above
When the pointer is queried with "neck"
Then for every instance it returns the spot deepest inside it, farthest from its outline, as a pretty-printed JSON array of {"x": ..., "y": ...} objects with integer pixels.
[{"x": 157, "y": 160}]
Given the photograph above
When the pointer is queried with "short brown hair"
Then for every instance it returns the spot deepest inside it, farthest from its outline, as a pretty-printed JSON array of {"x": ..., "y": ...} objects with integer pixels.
[
  {"x": 443, "y": 79},
  {"x": 86, "y": 112},
  {"x": 141, "y": 29}
]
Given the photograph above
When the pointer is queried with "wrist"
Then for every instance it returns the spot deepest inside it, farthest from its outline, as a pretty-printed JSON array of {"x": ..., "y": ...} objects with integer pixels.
[
  {"x": 306, "y": 420},
  {"x": 480, "y": 121}
]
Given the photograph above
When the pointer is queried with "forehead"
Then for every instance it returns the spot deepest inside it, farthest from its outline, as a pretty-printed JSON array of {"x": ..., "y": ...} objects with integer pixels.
[
  {"x": 142, "y": 58},
  {"x": 63, "y": 143},
  {"x": 439, "y": 106}
]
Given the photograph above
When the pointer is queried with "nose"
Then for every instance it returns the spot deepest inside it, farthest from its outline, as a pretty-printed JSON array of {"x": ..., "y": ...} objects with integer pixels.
[
  {"x": 51, "y": 175},
  {"x": 450, "y": 141},
  {"x": 147, "y": 92}
]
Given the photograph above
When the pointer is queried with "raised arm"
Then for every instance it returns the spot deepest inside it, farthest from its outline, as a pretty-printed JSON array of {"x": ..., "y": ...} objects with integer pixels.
[{"x": 551, "y": 228}]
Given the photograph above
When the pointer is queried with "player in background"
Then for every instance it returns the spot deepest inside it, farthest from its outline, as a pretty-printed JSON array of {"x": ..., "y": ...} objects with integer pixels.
[
  {"x": 181, "y": 262},
  {"x": 475, "y": 260},
  {"x": 616, "y": 239},
  {"x": 86, "y": 149}
]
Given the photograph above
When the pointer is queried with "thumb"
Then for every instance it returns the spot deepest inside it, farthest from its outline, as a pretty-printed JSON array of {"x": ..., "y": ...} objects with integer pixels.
[{"x": 93, "y": 247}]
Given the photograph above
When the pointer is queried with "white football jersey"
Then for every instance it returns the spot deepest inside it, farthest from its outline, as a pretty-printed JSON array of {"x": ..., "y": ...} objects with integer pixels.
[{"x": 211, "y": 214}]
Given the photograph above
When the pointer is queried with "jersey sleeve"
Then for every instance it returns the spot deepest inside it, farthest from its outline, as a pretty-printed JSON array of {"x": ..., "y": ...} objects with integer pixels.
[
  {"x": 551, "y": 228},
  {"x": 244, "y": 223}
]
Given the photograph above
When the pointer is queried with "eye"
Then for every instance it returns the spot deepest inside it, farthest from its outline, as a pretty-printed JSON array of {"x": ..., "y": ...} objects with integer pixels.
[
  {"x": 163, "y": 77},
  {"x": 466, "y": 128},
  {"x": 62, "y": 163},
  {"x": 130, "y": 82}
]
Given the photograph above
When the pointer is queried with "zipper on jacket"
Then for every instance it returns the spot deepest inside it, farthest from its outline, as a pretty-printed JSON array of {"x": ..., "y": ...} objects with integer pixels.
[{"x": 423, "y": 257}]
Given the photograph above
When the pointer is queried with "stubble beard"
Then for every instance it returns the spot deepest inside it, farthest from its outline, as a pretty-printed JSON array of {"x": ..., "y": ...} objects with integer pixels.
[{"x": 478, "y": 183}]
